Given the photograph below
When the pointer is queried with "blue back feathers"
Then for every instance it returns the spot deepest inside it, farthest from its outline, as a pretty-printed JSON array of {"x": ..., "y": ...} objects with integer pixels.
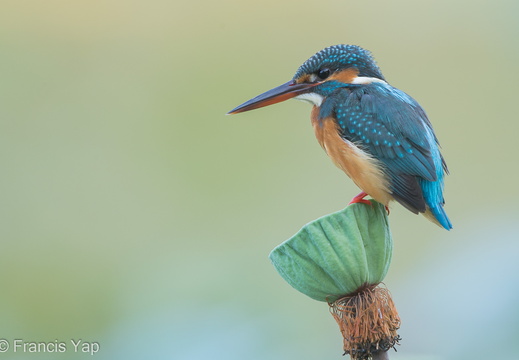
[{"x": 392, "y": 127}]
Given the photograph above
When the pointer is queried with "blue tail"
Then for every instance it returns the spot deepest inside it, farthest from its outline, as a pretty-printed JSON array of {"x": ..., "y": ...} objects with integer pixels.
[
  {"x": 440, "y": 216},
  {"x": 433, "y": 194}
]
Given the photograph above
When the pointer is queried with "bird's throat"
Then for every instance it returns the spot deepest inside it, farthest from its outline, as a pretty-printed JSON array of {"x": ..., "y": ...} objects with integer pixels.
[{"x": 311, "y": 97}]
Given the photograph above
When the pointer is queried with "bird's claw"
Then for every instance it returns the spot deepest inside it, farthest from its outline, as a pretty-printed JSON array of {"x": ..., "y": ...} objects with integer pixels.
[{"x": 360, "y": 199}]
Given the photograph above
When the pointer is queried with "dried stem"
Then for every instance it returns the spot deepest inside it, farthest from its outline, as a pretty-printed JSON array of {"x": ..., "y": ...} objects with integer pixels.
[{"x": 381, "y": 355}]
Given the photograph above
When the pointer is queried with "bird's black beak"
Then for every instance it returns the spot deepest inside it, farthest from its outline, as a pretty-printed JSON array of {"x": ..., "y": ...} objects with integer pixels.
[{"x": 278, "y": 94}]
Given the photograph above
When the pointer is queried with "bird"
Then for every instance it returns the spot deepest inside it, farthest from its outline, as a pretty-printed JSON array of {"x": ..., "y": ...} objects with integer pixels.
[{"x": 375, "y": 133}]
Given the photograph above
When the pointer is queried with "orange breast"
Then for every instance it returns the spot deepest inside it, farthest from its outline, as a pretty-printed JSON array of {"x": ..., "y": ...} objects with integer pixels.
[{"x": 362, "y": 168}]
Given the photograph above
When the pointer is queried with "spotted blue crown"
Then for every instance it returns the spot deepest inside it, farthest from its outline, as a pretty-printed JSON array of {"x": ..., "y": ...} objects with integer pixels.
[{"x": 339, "y": 57}]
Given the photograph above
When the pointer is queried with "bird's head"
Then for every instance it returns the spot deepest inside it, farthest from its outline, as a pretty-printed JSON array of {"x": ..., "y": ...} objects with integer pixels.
[{"x": 321, "y": 75}]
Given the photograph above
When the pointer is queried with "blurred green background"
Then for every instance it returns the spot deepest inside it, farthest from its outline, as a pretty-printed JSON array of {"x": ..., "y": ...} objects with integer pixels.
[{"x": 137, "y": 215}]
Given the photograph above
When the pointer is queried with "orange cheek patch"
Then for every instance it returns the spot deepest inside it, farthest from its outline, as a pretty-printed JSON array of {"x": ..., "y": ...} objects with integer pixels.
[
  {"x": 303, "y": 79},
  {"x": 345, "y": 76}
]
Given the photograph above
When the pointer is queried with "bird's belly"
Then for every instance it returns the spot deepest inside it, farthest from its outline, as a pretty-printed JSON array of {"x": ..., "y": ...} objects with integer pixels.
[{"x": 365, "y": 171}]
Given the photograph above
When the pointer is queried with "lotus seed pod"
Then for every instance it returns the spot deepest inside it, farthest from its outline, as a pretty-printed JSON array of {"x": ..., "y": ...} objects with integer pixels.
[{"x": 337, "y": 254}]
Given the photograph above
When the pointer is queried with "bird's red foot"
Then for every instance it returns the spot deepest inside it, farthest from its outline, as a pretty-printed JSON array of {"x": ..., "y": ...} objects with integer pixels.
[{"x": 360, "y": 199}]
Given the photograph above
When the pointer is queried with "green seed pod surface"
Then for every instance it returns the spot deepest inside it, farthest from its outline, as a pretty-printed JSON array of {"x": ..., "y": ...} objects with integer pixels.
[{"x": 337, "y": 254}]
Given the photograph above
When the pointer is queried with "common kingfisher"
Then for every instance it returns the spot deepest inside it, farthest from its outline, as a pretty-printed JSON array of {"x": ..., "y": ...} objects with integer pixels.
[{"x": 378, "y": 135}]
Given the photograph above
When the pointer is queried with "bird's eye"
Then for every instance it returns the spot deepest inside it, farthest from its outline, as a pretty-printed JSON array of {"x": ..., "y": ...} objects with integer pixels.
[{"x": 323, "y": 73}]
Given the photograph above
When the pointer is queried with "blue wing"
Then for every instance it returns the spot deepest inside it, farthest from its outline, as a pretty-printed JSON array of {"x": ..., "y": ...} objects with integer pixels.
[{"x": 393, "y": 128}]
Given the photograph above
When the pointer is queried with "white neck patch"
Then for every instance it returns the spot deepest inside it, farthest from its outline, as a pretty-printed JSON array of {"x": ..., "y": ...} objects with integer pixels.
[
  {"x": 311, "y": 97},
  {"x": 364, "y": 80}
]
